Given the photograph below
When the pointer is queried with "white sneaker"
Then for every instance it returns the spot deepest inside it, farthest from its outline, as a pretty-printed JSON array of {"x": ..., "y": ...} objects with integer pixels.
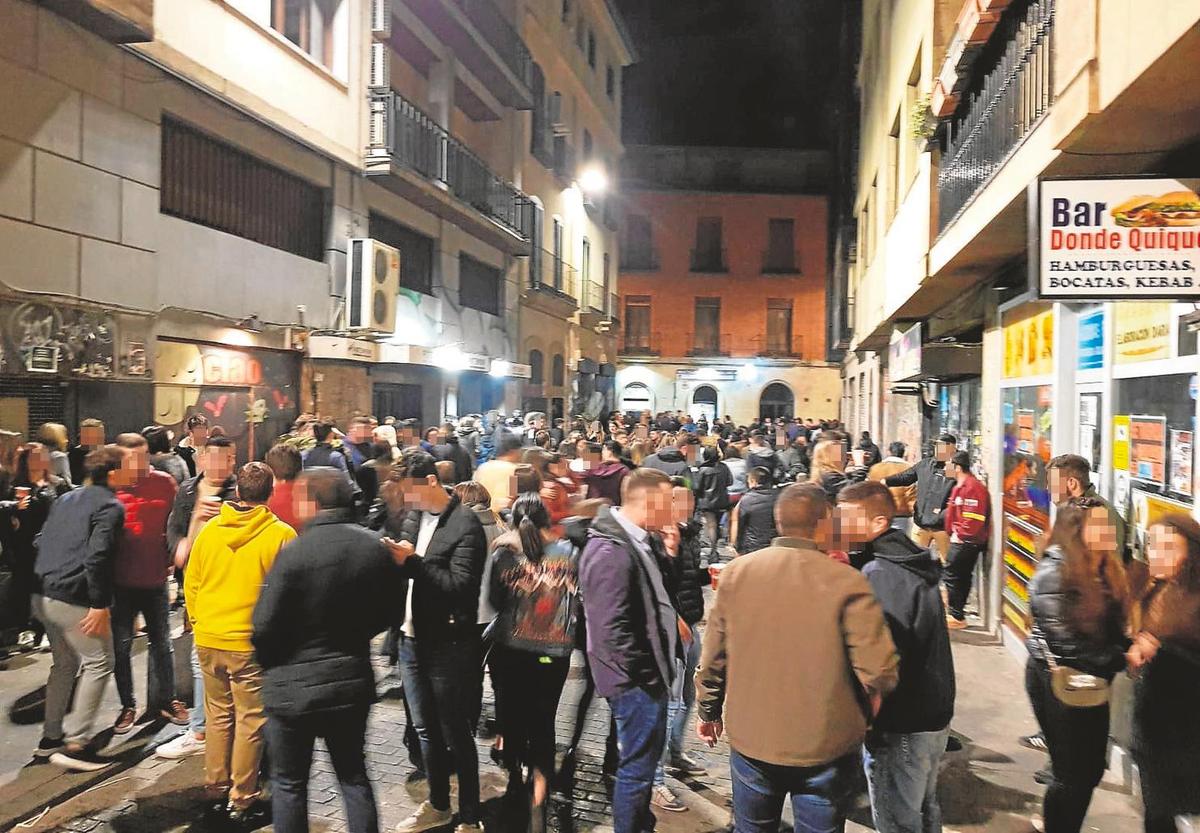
[
  {"x": 183, "y": 746},
  {"x": 468, "y": 828},
  {"x": 664, "y": 799},
  {"x": 425, "y": 818}
]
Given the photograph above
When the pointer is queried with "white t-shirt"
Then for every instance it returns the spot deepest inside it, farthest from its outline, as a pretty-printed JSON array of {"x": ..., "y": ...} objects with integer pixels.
[{"x": 429, "y": 523}]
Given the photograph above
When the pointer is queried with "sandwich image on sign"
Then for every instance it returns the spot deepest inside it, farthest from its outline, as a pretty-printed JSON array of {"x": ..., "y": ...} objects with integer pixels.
[{"x": 1176, "y": 208}]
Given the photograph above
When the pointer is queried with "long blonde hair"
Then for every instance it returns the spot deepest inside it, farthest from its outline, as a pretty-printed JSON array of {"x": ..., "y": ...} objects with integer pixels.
[{"x": 828, "y": 456}]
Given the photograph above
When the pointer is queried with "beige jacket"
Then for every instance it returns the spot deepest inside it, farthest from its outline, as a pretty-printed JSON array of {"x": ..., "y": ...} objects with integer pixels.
[
  {"x": 792, "y": 641},
  {"x": 905, "y": 496}
]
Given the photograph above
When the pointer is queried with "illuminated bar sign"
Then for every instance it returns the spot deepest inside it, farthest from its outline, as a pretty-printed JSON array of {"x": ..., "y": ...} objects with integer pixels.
[{"x": 1118, "y": 239}]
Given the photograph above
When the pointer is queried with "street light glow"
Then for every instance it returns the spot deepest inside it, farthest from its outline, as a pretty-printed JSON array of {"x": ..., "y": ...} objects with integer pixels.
[
  {"x": 500, "y": 368},
  {"x": 593, "y": 180},
  {"x": 450, "y": 357}
]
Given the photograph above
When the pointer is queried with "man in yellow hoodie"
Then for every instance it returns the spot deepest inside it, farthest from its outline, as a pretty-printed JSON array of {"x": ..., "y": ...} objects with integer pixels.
[{"x": 229, "y": 563}]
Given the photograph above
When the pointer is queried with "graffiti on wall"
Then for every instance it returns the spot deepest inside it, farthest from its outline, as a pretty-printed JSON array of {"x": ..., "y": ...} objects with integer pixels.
[
  {"x": 47, "y": 338},
  {"x": 433, "y": 321}
]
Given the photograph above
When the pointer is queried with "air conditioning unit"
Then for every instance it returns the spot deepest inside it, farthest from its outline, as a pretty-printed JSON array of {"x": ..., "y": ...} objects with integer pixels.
[
  {"x": 380, "y": 74},
  {"x": 381, "y": 18},
  {"x": 558, "y": 123},
  {"x": 372, "y": 285}
]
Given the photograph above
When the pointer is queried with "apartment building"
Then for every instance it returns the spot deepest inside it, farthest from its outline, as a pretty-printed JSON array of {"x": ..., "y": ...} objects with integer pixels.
[
  {"x": 723, "y": 282},
  {"x": 978, "y": 118}
]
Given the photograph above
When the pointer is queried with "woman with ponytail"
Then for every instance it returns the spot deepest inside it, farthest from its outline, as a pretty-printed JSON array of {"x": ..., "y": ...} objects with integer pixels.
[{"x": 534, "y": 588}]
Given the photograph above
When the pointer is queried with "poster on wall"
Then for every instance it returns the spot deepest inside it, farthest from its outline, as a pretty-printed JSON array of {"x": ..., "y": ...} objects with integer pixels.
[
  {"x": 1121, "y": 443},
  {"x": 1121, "y": 239},
  {"x": 1029, "y": 343},
  {"x": 1142, "y": 331},
  {"x": 1091, "y": 341},
  {"x": 1147, "y": 509},
  {"x": 1148, "y": 448},
  {"x": 1121, "y": 493},
  {"x": 1181, "y": 462},
  {"x": 1025, "y": 431}
]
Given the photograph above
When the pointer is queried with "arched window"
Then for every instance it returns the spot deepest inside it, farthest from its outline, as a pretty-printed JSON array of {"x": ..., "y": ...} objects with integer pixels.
[
  {"x": 777, "y": 401},
  {"x": 557, "y": 370},
  {"x": 636, "y": 397},
  {"x": 704, "y": 402},
  {"x": 537, "y": 369}
]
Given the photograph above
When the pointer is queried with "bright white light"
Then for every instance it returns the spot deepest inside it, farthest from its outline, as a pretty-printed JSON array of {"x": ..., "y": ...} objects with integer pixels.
[
  {"x": 707, "y": 374},
  {"x": 593, "y": 180},
  {"x": 500, "y": 368},
  {"x": 747, "y": 373},
  {"x": 449, "y": 357}
]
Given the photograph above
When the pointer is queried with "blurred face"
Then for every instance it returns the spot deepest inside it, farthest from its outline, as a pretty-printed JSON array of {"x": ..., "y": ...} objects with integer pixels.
[
  {"x": 91, "y": 435},
  {"x": 304, "y": 506},
  {"x": 853, "y": 524},
  {"x": 431, "y": 436},
  {"x": 39, "y": 458},
  {"x": 1099, "y": 535},
  {"x": 126, "y": 475},
  {"x": 1166, "y": 550},
  {"x": 952, "y": 470},
  {"x": 360, "y": 432},
  {"x": 406, "y": 437},
  {"x": 657, "y": 507},
  {"x": 942, "y": 452},
  {"x": 683, "y": 503},
  {"x": 217, "y": 463},
  {"x": 420, "y": 493},
  {"x": 1063, "y": 486}
]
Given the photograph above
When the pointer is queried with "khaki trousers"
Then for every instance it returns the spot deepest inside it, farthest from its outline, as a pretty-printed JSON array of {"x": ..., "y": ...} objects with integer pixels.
[
  {"x": 234, "y": 710},
  {"x": 937, "y": 540}
]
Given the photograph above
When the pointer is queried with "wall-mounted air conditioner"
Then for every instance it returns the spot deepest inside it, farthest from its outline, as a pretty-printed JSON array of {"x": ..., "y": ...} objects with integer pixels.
[{"x": 372, "y": 285}]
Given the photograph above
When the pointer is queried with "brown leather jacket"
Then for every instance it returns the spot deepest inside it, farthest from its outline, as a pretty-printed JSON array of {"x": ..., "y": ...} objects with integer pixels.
[{"x": 905, "y": 496}]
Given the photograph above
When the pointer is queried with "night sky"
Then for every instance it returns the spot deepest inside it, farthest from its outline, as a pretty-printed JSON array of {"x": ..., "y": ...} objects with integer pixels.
[{"x": 742, "y": 73}]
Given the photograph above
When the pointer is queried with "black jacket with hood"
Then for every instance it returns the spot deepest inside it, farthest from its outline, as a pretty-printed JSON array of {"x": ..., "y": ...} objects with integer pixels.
[
  {"x": 933, "y": 491},
  {"x": 670, "y": 461},
  {"x": 906, "y": 580},
  {"x": 712, "y": 487}
]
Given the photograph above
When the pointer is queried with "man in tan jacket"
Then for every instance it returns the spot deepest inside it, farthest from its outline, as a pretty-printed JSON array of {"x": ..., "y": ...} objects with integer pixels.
[
  {"x": 799, "y": 658},
  {"x": 905, "y": 496}
]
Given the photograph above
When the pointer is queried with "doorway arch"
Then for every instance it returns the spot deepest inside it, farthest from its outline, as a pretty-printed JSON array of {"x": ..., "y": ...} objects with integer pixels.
[
  {"x": 635, "y": 398},
  {"x": 704, "y": 403},
  {"x": 776, "y": 400}
]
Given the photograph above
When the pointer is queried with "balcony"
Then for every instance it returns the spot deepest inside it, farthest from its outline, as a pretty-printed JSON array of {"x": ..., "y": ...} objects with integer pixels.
[
  {"x": 564, "y": 159},
  {"x": 593, "y": 311},
  {"x": 709, "y": 261},
  {"x": 639, "y": 259},
  {"x": 482, "y": 39},
  {"x": 1014, "y": 91},
  {"x": 407, "y": 147},
  {"x": 780, "y": 263},
  {"x": 709, "y": 344},
  {"x": 614, "y": 308},
  {"x": 775, "y": 346},
  {"x": 640, "y": 344},
  {"x": 117, "y": 21},
  {"x": 552, "y": 285}
]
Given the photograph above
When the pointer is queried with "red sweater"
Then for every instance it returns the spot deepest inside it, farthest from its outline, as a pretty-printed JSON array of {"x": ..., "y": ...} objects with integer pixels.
[
  {"x": 281, "y": 503},
  {"x": 968, "y": 512},
  {"x": 142, "y": 555}
]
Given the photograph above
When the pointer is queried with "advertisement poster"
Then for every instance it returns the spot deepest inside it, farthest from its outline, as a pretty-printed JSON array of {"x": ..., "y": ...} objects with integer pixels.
[
  {"x": 1142, "y": 332},
  {"x": 1091, "y": 341},
  {"x": 1147, "y": 509},
  {"x": 1148, "y": 448},
  {"x": 1119, "y": 238},
  {"x": 904, "y": 353},
  {"x": 1025, "y": 432},
  {"x": 1121, "y": 443},
  {"x": 1181, "y": 462},
  {"x": 1121, "y": 493},
  {"x": 1029, "y": 342}
]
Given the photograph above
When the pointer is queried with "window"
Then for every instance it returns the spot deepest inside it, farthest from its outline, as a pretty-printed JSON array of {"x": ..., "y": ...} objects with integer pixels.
[
  {"x": 587, "y": 145},
  {"x": 637, "y": 323},
  {"x": 566, "y": 10},
  {"x": 707, "y": 337},
  {"x": 637, "y": 244},
  {"x": 479, "y": 285},
  {"x": 892, "y": 185},
  {"x": 537, "y": 367},
  {"x": 558, "y": 253},
  {"x": 539, "y": 141},
  {"x": 606, "y": 264},
  {"x": 591, "y": 48},
  {"x": 310, "y": 26},
  {"x": 779, "y": 327},
  {"x": 708, "y": 255},
  {"x": 912, "y": 146},
  {"x": 585, "y": 269},
  {"x": 416, "y": 251},
  {"x": 208, "y": 182},
  {"x": 781, "y": 246},
  {"x": 610, "y": 81},
  {"x": 580, "y": 33},
  {"x": 557, "y": 370}
]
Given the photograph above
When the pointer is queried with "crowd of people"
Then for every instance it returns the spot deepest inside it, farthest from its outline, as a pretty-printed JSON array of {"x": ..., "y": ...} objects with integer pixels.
[{"x": 499, "y": 547}]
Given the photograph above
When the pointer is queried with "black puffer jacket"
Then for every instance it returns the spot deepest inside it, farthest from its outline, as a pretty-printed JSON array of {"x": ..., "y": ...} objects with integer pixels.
[
  {"x": 329, "y": 592},
  {"x": 453, "y": 451},
  {"x": 933, "y": 491},
  {"x": 180, "y": 519},
  {"x": 685, "y": 575},
  {"x": 671, "y": 462},
  {"x": 712, "y": 487},
  {"x": 1094, "y": 643}
]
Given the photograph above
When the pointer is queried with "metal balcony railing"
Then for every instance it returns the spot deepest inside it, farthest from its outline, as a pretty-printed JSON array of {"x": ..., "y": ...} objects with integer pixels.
[
  {"x": 595, "y": 296},
  {"x": 491, "y": 23},
  {"x": 772, "y": 345},
  {"x": 553, "y": 275},
  {"x": 417, "y": 142},
  {"x": 709, "y": 344},
  {"x": 614, "y": 307},
  {"x": 1005, "y": 106},
  {"x": 639, "y": 259},
  {"x": 641, "y": 344},
  {"x": 709, "y": 260},
  {"x": 780, "y": 263},
  {"x": 564, "y": 158}
]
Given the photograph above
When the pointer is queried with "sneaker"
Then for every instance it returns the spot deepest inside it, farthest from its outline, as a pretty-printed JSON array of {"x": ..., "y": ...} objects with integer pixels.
[
  {"x": 425, "y": 818},
  {"x": 47, "y": 747},
  {"x": 176, "y": 712},
  {"x": 469, "y": 828},
  {"x": 250, "y": 817},
  {"x": 956, "y": 624},
  {"x": 664, "y": 799},
  {"x": 686, "y": 765},
  {"x": 125, "y": 721},
  {"x": 27, "y": 641},
  {"x": 183, "y": 746},
  {"x": 79, "y": 760},
  {"x": 1037, "y": 742}
]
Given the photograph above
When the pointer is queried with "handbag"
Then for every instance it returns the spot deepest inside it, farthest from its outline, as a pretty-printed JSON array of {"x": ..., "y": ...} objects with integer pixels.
[{"x": 1074, "y": 688}]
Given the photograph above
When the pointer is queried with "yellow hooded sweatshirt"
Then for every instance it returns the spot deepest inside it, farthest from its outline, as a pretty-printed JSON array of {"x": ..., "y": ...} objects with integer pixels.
[{"x": 225, "y": 572}]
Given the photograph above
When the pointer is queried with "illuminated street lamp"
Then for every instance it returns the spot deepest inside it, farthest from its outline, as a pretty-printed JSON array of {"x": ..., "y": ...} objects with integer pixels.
[
  {"x": 500, "y": 368},
  {"x": 593, "y": 181}
]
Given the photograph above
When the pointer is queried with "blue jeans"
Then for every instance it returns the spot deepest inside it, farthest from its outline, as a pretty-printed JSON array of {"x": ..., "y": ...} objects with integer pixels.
[
  {"x": 441, "y": 684},
  {"x": 128, "y": 602},
  {"x": 641, "y": 734},
  {"x": 820, "y": 794},
  {"x": 291, "y": 742},
  {"x": 196, "y": 719},
  {"x": 902, "y": 775},
  {"x": 683, "y": 697}
]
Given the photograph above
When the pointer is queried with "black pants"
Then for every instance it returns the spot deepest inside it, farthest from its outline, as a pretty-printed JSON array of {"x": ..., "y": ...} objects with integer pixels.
[
  {"x": 291, "y": 743},
  {"x": 531, "y": 686},
  {"x": 958, "y": 575},
  {"x": 1078, "y": 743}
]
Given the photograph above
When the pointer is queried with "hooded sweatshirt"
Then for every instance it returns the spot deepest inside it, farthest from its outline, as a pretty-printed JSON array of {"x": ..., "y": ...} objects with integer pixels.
[
  {"x": 604, "y": 481},
  {"x": 905, "y": 579},
  {"x": 226, "y": 569}
]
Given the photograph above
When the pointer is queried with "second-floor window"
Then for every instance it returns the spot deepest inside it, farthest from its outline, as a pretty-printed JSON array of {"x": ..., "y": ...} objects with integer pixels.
[
  {"x": 416, "y": 251},
  {"x": 310, "y": 25},
  {"x": 479, "y": 286},
  {"x": 557, "y": 253},
  {"x": 781, "y": 246},
  {"x": 637, "y": 322},
  {"x": 708, "y": 256},
  {"x": 591, "y": 49},
  {"x": 779, "y": 326},
  {"x": 637, "y": 243},
  {"x": 707, "y": 317}
]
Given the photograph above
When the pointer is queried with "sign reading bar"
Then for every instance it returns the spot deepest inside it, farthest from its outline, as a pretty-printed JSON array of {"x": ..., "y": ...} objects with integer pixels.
[{"x": 1119, "y": 238}]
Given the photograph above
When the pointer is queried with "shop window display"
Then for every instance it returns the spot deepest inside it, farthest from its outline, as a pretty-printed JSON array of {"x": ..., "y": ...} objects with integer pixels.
[{"x": 1028, "y": 415}]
